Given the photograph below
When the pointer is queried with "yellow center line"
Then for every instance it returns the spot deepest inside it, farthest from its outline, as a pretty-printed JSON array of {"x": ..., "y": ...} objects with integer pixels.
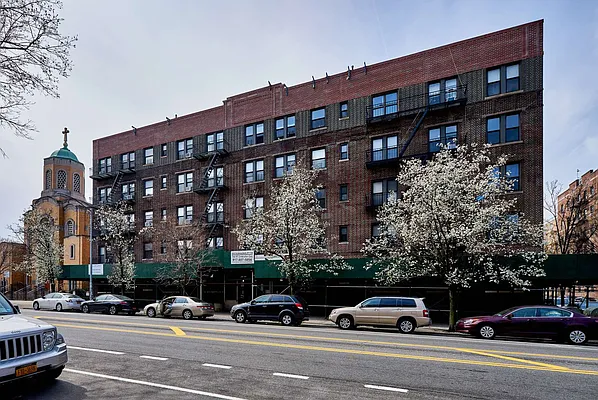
[
  {"x": 340, "y": 340},
  {"x": 178, "y": 331},
  {"x": 339, "y": 350},
  {"x": 483, "y": 353}
]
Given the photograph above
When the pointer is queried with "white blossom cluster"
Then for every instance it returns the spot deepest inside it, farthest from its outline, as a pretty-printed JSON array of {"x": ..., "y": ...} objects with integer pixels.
[{"x": 45, "y": 253}]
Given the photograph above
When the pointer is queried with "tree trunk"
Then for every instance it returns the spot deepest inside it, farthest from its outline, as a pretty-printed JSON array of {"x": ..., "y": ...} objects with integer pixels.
[{"x": 452, "y": 308}]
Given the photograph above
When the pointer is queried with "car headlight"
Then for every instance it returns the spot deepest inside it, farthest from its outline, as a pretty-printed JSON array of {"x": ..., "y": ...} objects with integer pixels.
[
  {"x": 470, "y": 321},
  {"x": 59, "y": 339},
  {"x": 49, "y": 339},
  {"x": 333, "y": 312}
]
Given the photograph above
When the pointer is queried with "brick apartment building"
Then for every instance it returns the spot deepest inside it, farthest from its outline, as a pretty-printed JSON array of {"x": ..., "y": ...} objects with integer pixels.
[{"x": 354, "y": 126}]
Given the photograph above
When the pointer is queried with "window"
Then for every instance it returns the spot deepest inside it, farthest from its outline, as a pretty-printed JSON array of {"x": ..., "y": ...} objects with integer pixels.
[
  {"x": 163, "y": 214},
  {"x": 148, "y": 156},
  {"x": 371, "y": 303},
  {"x": 410, "y": 303},
  {"x": 443, "y": 91},
  {"x": 185, "y": 182},
  {"x": 216, "y": 177},
  {"x": 503, "y": 129},
  {"x": 163, "y": 181},
  {"x": 344, "y": 151},
  {"x": 284, "y": 165},
  {"x": 148, "y": 187},
  {"x": 343, "y": 233},
  {"x": 164, "y": 150},
  {"x": 254, "y": 134},
  {"x": 48, "y": 184},
  {"x": 127, "y": 160},
  {"x": 524, "y": 313},
  {"x": 344, "y": 110},
  {"x": 503, "y": 79},
  {"x": 148, "y": 219},
  {"x": 184, "y": 149},
  {"x": 130, "y": 221},
  {"x": 389, "y": 302},
  {"x": 216, "y": 242},
  {"x": 184, "y": 247},
  {"x": 104, "y": 195},
  {"x": 318, "y": 118},
  {"x": 102, "y": 254},
  {"x": 72, "y": 251},
  {"x": 344, "y": 192},
  {"x": 254, "y": 171},
  {"x": 61, "y": 179},
  {"x": 105, "y": 165},
  {"x": 216, "y": 212},
  {"x": 215, "y": 141},
  {"x": 77, "y": 183},
  {"x": 184, "y": 215},
  {"x": 553, "y": 312},
  {"x": 444, "y": 135},
  {"x": 318, "y": 159},
  {"x": 512, "y": 174},
  {"x": 383, "y": 190},
  {"x": 251, "y": 205},
  {"x": 321, "y": 197},
  {"x": 162, "y": 247},
  {"x": 434, "y": 93},
  {"x": 375, "y": 230},
  {"x": 70, "y": 228},
  {"x": 385, "y": 104},
  {"x": 591, "y": 190},
  {"x": 128, "y": 191},
  {"x": 285, "y": 127},
  {"x": 385, "y": 148},
  {"x": 148, "y": 251},
  {"x": 180, "y": 300}
]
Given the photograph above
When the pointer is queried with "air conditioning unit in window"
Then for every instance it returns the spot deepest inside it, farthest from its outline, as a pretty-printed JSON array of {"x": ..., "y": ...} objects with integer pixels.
[
  {"x": 188, "y": 221},
  {"x": 128, "y": 197},
  {"x": 188, "y": 154},
  {"x": 149, "y": 223},
  {"x": 188, "y": 188}
]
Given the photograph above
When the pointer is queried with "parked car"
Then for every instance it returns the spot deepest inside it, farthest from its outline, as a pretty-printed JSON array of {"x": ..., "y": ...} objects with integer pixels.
[
  {"x": 533, "y": 321},
  {"x": 180, "y": 306},
  {"x": 111, "y": 304},
  {"x": 58, "y": 302},
  {"x": 289, "y": 310},
  {"x": 28, "y": 347},
  {"x": 405, "y": 313}
]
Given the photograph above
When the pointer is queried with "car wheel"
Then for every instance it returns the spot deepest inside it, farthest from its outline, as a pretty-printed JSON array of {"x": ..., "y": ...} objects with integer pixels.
[
  {"x": 240, "y": 317},
  {"x": 345, "y": 322},
  {"x": 58, "y": 307},
  {"x": 287, "y": 319},
  {"x": 151, "y": 312},
  {"x": 85, "y": 308},
  {"x": 577, "y": 336},
  {"x": 406, "y": 325},
  {"x": 486, "y": 332},
  {"x": 187, "y": 314},
  {"x": 54, "y": 373},
  {"x": 112, "y": 310},
  {"x": 35, "y": 305}
]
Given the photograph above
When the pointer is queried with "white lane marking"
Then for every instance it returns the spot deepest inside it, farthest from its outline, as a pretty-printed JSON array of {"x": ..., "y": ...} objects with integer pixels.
[
  {"x": 118, "y": 353},
  {"x": 157, "y": 385},
  {"x": 290, "y": 376},
  {"x": 217, "y": 366},
  {"x": 390, "y": 389},
  {"x": 154, "y": 358}
]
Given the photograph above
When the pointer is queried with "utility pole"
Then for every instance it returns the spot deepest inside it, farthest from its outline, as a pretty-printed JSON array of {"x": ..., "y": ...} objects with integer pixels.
[{"x": 90, "y": 252}]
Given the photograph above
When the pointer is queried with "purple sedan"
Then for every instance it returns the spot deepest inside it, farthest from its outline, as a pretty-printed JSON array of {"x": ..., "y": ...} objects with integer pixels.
[{"x": 534, "y": 322}]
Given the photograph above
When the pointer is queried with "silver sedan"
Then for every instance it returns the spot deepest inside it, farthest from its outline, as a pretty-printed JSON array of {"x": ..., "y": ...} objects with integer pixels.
[
  {"x": 180, "y": 306},
  {"x": 58, "y": 302}
]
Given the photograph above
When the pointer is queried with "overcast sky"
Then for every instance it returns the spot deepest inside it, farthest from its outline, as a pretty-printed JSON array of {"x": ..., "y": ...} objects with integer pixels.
[{"x": 138, "y": 61}]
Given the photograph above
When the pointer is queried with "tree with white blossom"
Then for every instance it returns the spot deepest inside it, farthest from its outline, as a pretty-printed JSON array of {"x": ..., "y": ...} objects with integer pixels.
[
  {"x": 291, "y": 228},
  {"x": 118, "y": 234},
  {"x": 455, "y": 220}
]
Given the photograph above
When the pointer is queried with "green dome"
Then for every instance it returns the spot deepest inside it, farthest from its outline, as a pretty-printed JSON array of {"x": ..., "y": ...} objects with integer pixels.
[{"x": 65, "y": 153}]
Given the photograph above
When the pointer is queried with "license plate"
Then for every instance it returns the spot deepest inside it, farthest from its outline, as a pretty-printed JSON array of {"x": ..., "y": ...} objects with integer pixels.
[{"x": 26, "y": 370}]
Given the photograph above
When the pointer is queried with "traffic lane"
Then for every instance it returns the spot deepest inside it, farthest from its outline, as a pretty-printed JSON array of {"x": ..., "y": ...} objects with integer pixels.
[
  {"x": 539, "y": 352},
  {"x": 424, "y": 376}
]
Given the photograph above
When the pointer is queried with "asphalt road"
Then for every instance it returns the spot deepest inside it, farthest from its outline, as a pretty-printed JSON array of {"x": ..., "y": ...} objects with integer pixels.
[{"x": 122, "y": 357}]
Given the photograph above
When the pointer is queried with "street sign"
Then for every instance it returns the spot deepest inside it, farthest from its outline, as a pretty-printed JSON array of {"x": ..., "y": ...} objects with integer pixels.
[{"x": 242, "y": 257}]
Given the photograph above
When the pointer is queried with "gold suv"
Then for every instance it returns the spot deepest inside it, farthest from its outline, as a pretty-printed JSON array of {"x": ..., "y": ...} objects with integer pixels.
[{"x": 405, "y": 313}]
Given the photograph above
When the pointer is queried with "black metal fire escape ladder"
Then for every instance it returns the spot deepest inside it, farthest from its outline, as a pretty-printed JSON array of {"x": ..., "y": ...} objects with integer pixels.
[
  {"x": 117, "y": 180},
  {"x": 415, "y": 129},
  {"x": 213, "y": 192}
]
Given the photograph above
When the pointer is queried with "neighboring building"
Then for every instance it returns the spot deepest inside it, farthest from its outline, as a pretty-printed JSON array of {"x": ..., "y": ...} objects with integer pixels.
[
  {"x": 11, "y": 279},
  {"x": 63, "y": 198}
]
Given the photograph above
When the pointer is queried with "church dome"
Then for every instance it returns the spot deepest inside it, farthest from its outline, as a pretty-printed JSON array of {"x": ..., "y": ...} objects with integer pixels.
[{"x": 65, "y": 153}]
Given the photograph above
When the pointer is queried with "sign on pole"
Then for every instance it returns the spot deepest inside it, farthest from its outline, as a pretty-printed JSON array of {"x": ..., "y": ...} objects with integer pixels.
[
  {"x": 242, "y": 257},
  {"x": 97, "y": 269}
]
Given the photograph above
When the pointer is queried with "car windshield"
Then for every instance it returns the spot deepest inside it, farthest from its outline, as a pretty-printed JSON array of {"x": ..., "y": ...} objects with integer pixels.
[
  {"x": 120, "y": 297},
  {"x": 5, "y": 307},
  {"x": 505, "y": 312},
  {"x": 72, "y": 296}
]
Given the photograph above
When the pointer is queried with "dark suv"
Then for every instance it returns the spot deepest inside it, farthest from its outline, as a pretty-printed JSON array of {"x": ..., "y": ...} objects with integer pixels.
[{"x": 289, "y": 310}]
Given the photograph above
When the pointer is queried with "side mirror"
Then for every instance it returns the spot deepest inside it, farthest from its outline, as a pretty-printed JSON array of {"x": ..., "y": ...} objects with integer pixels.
[
  {"x": 43, "y": 297},
  {"x": 510, "y": 316},
  {"x": 18, "y": 309},
  {"x": 252, "y": 302}
]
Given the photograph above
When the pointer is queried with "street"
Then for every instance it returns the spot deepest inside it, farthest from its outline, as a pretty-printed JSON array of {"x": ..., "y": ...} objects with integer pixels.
[{"x": 135, "y": 357}]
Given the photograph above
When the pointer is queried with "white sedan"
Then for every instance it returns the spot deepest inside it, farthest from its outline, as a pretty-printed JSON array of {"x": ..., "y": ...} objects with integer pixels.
[{"x": 58, "y": 302}]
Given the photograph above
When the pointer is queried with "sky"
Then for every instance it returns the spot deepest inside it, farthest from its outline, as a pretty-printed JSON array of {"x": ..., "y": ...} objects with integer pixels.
[{"x": 138, "y": 61}]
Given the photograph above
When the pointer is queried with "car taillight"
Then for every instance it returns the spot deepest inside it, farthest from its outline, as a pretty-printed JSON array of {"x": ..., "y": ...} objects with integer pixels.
[
  {"x": 124, "y": 303},
  {"x": 299, "y": 306},
  {"x": 69, "y": 301},
  {"x": 426, "y": 313}
]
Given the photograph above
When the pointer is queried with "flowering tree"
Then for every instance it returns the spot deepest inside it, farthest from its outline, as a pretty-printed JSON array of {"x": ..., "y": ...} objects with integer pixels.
[
  {"x": 117, "y": 233},
  {"x": 453, "y": 221},
  {"x": 573, "y": 228},
  {"x": 183, "y": 249},
  {"x": 291, "y": 228}
]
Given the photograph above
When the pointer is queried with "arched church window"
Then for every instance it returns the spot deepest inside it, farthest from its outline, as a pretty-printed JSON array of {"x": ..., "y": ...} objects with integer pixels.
[
  {"x": 48, "y": 184},
  {"x": 77, "y": 183},
  {"x": 70, "y": 227},
  {"x": 61, "y": 179}
]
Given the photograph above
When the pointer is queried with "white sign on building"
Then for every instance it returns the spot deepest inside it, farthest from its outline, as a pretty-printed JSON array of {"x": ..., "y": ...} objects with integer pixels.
[
  {"x": 97, "y": 269},
  {"x": 241, "y": 257}
]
